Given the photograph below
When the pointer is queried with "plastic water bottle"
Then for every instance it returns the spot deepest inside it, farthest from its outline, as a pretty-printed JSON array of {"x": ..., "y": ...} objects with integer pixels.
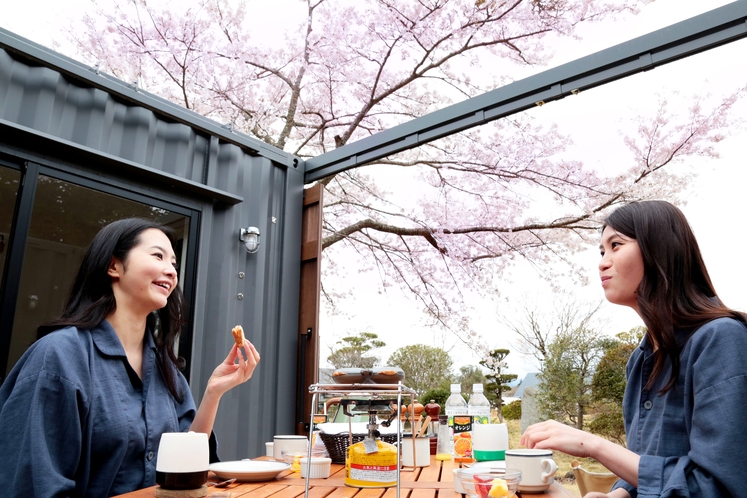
[
  {"x": 455, "y": 404},
  {"x": 456, "y": 407},
  {"x": 478, "y": 406}
]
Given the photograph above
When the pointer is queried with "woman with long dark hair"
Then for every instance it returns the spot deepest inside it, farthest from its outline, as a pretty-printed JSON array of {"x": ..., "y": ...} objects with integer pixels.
[
  {"x": 683, "y": 403},
  {"x": 84, "y": 408}
]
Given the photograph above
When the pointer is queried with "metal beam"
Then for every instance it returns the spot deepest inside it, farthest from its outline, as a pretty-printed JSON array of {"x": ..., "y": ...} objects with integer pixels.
[{"x": 697, "y": 34}]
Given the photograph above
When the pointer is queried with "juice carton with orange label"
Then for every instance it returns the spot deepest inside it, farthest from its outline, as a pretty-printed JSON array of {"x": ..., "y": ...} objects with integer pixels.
[{"x": 462, "y": 437}]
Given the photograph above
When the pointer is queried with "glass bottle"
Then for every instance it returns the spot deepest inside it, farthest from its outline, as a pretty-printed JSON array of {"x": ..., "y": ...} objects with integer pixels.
[{"x": 443, "y": 444}]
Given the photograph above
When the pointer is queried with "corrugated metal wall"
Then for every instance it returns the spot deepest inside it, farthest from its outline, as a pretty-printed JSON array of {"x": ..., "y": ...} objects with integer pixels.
[{"x": 64, "y": 110}]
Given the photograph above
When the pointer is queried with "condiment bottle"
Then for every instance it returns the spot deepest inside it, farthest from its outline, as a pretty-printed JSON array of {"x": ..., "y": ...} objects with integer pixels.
[{"x": 443, "y": 445}]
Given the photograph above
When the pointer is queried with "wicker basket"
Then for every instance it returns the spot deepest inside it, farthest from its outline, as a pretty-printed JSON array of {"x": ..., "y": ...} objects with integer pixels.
[{"x": 337, "y": 444}]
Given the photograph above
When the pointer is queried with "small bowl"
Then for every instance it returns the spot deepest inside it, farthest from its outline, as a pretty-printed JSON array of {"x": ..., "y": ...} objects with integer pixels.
[
  {"x": 294, "y": 459},
  {"x": 478, "y": 483},
  {"x": 320, "y": 468}
]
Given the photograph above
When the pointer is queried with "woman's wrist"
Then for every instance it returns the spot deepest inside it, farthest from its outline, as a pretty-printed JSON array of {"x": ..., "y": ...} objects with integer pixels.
[{"x": 212, "y": 394}]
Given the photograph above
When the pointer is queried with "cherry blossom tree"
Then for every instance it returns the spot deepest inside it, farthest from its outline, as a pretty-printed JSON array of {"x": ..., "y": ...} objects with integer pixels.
[{"x": 357, "y": 67}]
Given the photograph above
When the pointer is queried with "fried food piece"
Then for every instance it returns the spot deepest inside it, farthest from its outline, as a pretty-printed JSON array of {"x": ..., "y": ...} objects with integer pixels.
[{"x": 238, "y": 335}]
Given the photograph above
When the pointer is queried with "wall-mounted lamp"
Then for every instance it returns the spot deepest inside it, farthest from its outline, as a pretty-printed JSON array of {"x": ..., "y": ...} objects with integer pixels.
[{"x": 250, "y": 238}]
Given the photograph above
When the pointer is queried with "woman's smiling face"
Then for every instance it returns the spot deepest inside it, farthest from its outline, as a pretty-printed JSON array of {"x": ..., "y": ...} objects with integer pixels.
[
  {"x": 621, "y": 268},
  {"x": 148, "y": 276}
]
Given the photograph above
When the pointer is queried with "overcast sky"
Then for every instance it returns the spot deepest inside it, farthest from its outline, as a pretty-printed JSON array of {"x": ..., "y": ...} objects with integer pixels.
[{"x": 715, "y": 207}]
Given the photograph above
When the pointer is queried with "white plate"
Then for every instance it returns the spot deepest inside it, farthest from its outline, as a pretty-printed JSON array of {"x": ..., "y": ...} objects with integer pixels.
[{"x": 249, "y": 470}]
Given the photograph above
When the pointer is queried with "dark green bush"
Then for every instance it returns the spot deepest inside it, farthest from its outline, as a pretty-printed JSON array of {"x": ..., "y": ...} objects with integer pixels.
[
  {"x": 512, "y": 411},
  {"x": 438, "y": 395}
]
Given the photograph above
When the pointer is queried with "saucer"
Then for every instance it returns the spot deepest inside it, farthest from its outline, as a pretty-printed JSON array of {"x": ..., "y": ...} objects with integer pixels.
[{"x": 534, "y": 489}]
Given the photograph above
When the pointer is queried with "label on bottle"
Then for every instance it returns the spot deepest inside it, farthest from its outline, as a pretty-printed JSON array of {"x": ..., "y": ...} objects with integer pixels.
[
  {"x": 480, "y": 414},
  {"x": 458, "y": 411}
]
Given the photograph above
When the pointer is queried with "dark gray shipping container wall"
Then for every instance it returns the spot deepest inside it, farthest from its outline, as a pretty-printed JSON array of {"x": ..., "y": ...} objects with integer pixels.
[{"x": 65, "y": 115}]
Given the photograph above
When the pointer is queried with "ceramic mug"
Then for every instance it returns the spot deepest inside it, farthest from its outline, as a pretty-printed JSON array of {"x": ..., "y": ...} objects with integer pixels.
[{"x": 537, "y": 468}]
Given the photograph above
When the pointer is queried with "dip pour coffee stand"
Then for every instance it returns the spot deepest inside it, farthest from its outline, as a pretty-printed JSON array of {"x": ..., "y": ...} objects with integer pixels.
[{"x": 374, "y": 399}]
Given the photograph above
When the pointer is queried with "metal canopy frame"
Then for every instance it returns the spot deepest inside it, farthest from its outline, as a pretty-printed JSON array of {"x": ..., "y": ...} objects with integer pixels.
[{"x": 692, "y": 36}]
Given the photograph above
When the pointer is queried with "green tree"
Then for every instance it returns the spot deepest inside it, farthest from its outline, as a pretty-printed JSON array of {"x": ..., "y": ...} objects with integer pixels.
[
  {"x": 352, "y": 354},
  {"x": 438, "y": 395},
  {"x": 468, "y": 376},
  {"x": 608, "y": 385},
  {"x": 497, "y": 382},
  {"x": 425, "y": 367},
  {"x": 564, "y": 392}
]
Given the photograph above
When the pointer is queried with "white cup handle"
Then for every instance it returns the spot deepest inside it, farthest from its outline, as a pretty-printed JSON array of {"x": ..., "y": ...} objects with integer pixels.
[{"x": 549, "y": 467}]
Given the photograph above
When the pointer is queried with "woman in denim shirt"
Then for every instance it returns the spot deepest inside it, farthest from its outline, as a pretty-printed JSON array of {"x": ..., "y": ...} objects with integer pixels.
[
  {"x": 83, "y": 410},
  {"x": 683, "y": 404}
]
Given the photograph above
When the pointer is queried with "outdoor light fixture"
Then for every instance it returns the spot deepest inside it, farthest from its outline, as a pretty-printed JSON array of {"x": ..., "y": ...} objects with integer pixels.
[{"x": 250, "y": 238}]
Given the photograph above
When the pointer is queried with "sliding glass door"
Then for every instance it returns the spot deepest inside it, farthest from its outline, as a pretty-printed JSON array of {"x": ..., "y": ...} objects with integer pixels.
[{"x": 56, "y": 219}]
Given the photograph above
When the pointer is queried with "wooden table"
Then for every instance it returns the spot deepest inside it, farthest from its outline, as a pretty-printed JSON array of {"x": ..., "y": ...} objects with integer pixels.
[{"x": 435, "y": 481}]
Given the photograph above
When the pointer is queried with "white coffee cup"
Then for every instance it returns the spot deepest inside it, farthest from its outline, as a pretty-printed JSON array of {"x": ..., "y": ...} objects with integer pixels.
[
  {"x": 289, "y": 443},
  {"x": 537, "y": 468},
  {"x": 489, "y": 441}
]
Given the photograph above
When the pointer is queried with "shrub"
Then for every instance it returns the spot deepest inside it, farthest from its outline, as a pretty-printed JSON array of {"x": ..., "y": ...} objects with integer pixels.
[
  {"x": 438, "y": 395},
  {"x": 512, "y": 411}
]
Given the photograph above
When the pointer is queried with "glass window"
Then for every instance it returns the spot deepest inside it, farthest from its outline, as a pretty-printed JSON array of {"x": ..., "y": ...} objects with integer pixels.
[
  {"x": 64, "y": 219},
  {"x": 10, "y": 180}
]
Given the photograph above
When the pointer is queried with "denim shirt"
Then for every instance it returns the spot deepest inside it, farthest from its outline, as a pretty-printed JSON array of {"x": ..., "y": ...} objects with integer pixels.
[
  {"x": 693, "y": 439},
  {"x": 78, "y": 421}
]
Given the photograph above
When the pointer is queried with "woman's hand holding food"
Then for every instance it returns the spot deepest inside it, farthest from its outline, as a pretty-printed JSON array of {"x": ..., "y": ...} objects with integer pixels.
[
  {"x": 231, "y": 373},
  {"x": 226, "y": 376}
]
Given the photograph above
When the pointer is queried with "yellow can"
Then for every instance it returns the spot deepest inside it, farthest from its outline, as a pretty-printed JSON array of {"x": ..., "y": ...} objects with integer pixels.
[{"x": 371, "y": 470}]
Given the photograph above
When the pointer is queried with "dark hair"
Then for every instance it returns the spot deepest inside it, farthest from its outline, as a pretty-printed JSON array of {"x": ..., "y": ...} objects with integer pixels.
[
  {"x": 91, "y": 297},
  {"x": 676, "y": 291}
]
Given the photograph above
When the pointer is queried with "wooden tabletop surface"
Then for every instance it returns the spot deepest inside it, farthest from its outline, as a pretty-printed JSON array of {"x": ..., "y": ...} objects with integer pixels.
[{"x": 434, "y": 481}]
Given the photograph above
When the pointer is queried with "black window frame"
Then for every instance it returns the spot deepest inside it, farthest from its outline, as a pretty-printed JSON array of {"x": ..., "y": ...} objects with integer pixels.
[{"x": 30, "y": 171}]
